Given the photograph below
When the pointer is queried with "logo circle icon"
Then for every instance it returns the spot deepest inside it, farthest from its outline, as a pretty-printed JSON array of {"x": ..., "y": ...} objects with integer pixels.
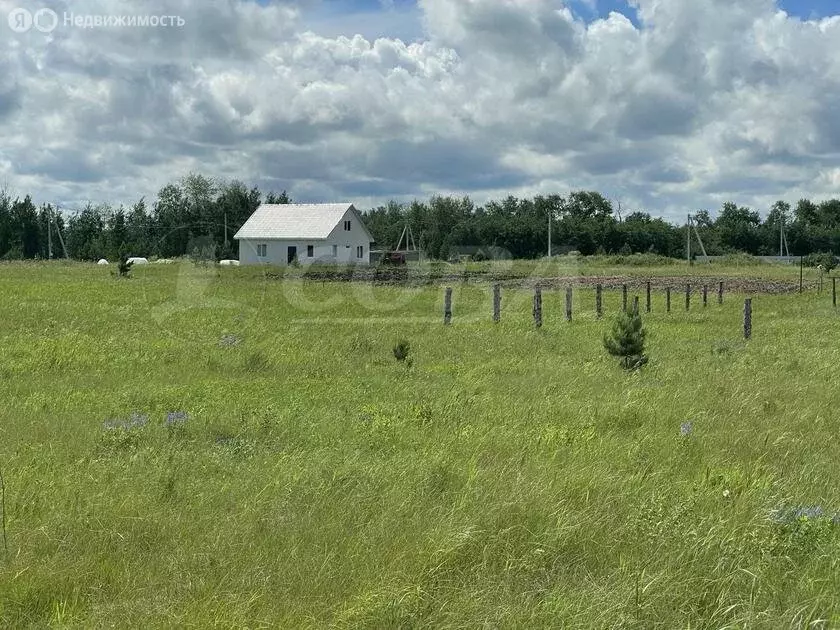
[
  {"x": 20, "y": 20},
  {"x": 45, "y": 20}
]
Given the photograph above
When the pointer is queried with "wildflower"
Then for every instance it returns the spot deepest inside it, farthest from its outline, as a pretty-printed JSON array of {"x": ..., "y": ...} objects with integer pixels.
[
  {"x": 790, "y": 515},
  {"x": 176, "y": 418},
  {"x": 810, "y": 512},
  {"x": 229, "y": 341},
  {"x": 685, "y": 428},
  {"x": 727, "y": 494},
  {"x": 137, "y": 420}
]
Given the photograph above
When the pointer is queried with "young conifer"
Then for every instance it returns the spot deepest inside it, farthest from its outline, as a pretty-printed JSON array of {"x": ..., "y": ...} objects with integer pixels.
[{"x": 627, "y": 340}]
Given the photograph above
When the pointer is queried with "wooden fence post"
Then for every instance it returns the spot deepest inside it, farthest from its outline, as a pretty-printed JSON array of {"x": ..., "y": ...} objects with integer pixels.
[
  {"x": 720, "y": 293},
  {"x": 497, "y": 303},
  {"x": 834, "y": 291},
  {"x": 624, "y": 297},
  {"x": 648, "y": 297},
  {"x": 447, "y": 306},
  {"x": 687, "y": 297},
  {"x": 668, "y": 299},
  {"x": 800, "y": 273},
  {"x": 635, "y": 305},
  {"x": 599, "y": 311},
  {"x": 705, "y": 295},
  {"x": 568, "y": 304},
  {"x": 537, "y": 307},
  {"x": 748, "y": 318}
]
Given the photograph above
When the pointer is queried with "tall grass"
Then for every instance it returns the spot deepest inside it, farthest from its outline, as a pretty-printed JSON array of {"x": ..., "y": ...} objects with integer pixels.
[{"x": 511, "y": 477}]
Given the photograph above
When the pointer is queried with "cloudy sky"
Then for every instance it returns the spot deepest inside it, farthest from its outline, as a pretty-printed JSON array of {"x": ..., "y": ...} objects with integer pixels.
[{"x": 666, "y": 105}]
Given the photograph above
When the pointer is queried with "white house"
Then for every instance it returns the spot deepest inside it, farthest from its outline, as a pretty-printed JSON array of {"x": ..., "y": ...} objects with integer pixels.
[{"x": 277, "y": 234}]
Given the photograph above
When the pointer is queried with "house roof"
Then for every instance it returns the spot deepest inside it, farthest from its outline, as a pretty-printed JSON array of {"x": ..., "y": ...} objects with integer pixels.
[{"x": 298, "y": 221}]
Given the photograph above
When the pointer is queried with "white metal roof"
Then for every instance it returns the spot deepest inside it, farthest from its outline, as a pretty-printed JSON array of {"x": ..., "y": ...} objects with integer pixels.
[{"x": 294, "y": 221}]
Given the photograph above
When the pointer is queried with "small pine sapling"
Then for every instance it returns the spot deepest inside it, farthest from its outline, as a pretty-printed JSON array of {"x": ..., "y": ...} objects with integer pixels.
[
  {"x": 401, "y": 351},
  {"x": 627, "y": 340},
  {"x": 124, "y": 267}
]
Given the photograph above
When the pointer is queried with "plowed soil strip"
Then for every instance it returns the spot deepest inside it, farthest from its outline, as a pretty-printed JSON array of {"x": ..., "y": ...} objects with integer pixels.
[{"x": 405, "y": 277}]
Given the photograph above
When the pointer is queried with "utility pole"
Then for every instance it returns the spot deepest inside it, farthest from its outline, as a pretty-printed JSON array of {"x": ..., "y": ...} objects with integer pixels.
[
  {"x": 781, "y": 237},
  {"x": 800, "y": 273},
  {"x": 60, "y": 238},
  {"x": 549, "y": 234},
  {"x": 49, "y": 233},
  {"x": 688, "y": 240}
]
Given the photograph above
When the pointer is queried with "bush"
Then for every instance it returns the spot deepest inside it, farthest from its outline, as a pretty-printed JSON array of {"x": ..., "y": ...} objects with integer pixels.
[
  {"x": 401, "y": 351},
  {"x": 124, "y": 267},
  {"x": 627, "y": 340},
  {"x": 824, "y": 259}
]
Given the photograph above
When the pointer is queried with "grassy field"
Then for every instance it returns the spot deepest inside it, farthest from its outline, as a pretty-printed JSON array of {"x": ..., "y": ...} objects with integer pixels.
[{"x": 507, "y": 477}]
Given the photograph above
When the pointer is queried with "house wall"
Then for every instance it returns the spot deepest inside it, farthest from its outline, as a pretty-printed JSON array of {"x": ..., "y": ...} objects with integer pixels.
[{"x": 345, "y": 242}]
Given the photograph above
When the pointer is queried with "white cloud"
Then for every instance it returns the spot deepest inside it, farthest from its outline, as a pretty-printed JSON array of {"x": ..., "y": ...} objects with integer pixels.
[{"x": 704, "y": 102}]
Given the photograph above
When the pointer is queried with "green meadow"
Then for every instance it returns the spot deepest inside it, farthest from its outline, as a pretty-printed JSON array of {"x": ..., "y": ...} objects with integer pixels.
[{"x": 196, "y": 447}]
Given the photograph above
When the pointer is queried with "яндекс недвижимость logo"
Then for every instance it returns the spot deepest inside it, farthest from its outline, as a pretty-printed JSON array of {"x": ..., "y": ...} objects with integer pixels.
[{"x": 46, "y": 20}]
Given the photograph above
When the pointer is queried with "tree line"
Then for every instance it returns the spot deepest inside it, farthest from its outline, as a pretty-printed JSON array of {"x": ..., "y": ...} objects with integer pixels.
[{"x": 201, "y": 212}]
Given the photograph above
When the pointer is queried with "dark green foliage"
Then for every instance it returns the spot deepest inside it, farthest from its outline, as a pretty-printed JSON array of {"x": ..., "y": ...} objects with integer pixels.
[
  {"x": 257, "y": 362},
  {"x": 401, "y": 350},
  {"x": 199, "y": 207},
  {"x": 124, "y": 267},
  {"x": 826, "y": 260},
  {"x": 627, "y": 340}
]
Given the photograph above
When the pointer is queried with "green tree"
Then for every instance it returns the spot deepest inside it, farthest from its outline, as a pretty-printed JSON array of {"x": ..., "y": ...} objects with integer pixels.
[
  {"x": 829, "y": 214},
  {"x": 737, "y": 228},
  {"x": 626, "y": 340},
  {"x": 117, "y": 233},
  {"x": 139, "y": 230},
  {"x": 25, "y": 229},
  {"x": 806, "y": 212},
  {"x": 85, "y": 238},
  {"x": 6, "y": 225},
  {"x": 274, "y": 198}
]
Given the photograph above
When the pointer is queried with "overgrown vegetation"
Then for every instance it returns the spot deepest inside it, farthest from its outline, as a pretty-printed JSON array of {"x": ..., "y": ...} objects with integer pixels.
[{"x": 825, "y": 260}]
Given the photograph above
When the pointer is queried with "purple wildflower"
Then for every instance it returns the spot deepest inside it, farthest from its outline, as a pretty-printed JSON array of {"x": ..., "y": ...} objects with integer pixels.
[{"x": 176, "y": 418}]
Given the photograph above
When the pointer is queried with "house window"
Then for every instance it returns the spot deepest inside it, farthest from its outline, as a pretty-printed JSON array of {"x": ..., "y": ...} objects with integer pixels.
[
  {"x": 360, "y": 251},
  {"x": 310, "y": 251},
  {"x": 347, "y": 226},
  {"x": 335, "y": 251},
  {"x": 262, "y": 250}
]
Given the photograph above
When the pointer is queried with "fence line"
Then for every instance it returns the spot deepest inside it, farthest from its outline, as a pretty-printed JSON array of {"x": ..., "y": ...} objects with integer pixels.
[{"x": 599, "y": 305}]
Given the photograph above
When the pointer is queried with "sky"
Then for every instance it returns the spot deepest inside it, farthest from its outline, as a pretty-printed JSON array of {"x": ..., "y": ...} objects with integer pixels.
[{"x": 666, "y": 106}]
